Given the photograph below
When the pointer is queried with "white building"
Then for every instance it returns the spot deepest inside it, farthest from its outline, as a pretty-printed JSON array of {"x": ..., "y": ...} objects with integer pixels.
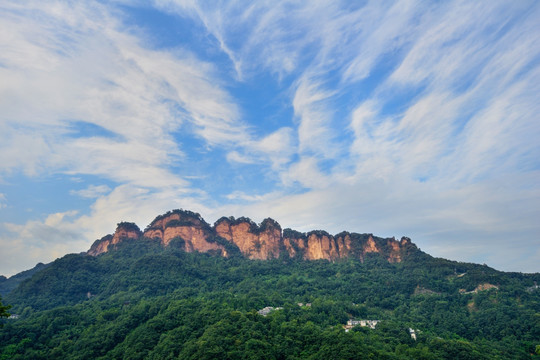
[
  {"x": 364, "y": 323},
  {"x": 267, "y": 310}
]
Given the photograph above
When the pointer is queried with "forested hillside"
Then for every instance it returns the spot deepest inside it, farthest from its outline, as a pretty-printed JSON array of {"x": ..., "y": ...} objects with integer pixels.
[
  {"x": 8, "y": 284},
  {"x": 143, "y": 301}
]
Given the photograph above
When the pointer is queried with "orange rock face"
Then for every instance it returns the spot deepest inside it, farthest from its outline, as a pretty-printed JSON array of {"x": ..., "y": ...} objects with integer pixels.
[
  {"x": 260, "y": 245},
  {"x": 344, "y": 246},
  {"x": 321, "y": 247},
  {"x": 261, "y": 242},
  {"x": 123, "y": 231},
  {"x": 100, "y": 246},
  {"x": 370, "y": 246},
  {"x": 160, "y": 223},
  {"x": 156, "y": 234},
  {"x": 190, "y": 229},
  {"x": 287, "y": 242},
  {"x": 195, "y": 238},
  {"x": 395, "y": 252}
]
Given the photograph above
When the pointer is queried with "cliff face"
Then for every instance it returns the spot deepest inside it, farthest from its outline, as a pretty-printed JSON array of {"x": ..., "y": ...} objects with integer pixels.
[
  {"x": 265, "y": 241},
  {"x": 254, "y": 242},
  {"x": 184, "y": 226},
  {"x": 124, "y": 231}
]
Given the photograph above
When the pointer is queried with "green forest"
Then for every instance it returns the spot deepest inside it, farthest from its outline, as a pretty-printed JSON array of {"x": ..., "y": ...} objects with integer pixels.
[{"x": 142, "y": 301}]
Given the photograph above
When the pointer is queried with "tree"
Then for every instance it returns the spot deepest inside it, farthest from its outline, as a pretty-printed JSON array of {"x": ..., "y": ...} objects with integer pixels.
[{"x": 3, "y": 310}]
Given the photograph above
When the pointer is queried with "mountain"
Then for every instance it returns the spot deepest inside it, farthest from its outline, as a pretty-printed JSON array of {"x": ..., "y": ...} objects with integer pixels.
[
  {"x": 183, "y": 289},
  {"x": 230, "y": 236},
  {"x": 8, "y": 284}
]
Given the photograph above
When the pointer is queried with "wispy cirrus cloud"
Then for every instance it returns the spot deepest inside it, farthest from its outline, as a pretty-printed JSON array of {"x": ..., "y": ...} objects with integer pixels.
[
  {"x": 466, "y": 132},
  {"x": 408, "y": 118},
  {"x": 450, "y": 106},
  {"x": 103, "y": 76},
  {"x": 92, "y": 191}
]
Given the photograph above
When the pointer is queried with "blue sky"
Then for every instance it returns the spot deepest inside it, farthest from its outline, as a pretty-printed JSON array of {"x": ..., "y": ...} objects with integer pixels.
[{"x": 402, "y": 118}]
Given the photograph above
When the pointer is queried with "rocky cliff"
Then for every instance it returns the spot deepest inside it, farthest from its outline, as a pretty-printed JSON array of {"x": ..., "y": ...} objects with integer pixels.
[
  {"x": 124, "y": 230},
  {"x": 230, "y": 236}
]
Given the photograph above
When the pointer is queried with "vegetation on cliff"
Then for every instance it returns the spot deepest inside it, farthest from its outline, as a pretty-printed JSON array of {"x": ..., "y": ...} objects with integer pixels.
[
  {"x": 189, "y": 217},
  {"x": 128, "y": 226}
]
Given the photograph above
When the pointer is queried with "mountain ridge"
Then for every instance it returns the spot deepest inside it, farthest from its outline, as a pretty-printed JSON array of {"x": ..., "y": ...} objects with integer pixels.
[
  {"x": 231, "y": 236},
  {"x": 162, "y": 298}
]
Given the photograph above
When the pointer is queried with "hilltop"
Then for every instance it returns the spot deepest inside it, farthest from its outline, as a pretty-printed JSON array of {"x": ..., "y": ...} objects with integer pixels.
[{"x": 230, "y": 236}]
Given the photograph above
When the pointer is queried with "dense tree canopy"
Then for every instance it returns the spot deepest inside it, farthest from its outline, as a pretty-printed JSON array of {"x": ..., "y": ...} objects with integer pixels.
[
  {"x": 3, "y": 309},
  {"x": 144, "y": 302},
  {"x": 3, "y": 312}
]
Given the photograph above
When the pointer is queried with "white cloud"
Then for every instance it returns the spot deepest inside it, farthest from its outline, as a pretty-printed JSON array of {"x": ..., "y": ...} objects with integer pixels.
[
  {"x": 383, "y": 30},
  {"x": 92, "y": 191},
  {"x": 235, "y": 156},
  {"x": 315, "y": 135},
  {"x": 240, "y": 195},
  {"x": 53, "y": 220},
  {"x": 105, "y": 77},
  {"x": 276, "y": 148},
  {"x": 25, "y": 245},
  {"x": 307, "y": 173},
  {"x": 474, "y": 120}
]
